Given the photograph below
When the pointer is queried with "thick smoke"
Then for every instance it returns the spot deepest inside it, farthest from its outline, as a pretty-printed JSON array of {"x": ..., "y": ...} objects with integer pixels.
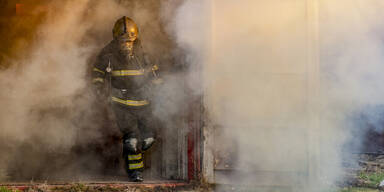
[
  {"x": 51, "y": 126},
  {"x": 351, "y": 53},
  {"x": 44, "y": 98},
  {"x": 256, "y": 60},
  {"x": 283, "y": 81}
]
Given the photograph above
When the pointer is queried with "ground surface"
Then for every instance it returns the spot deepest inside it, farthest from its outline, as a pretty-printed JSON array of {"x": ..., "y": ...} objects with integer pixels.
[
  {"x": 156, "y": 186},
  {"x": 147, "y": 187},
  {"x": 356, "y": 189},
  {"x": 365, "y": 175}
]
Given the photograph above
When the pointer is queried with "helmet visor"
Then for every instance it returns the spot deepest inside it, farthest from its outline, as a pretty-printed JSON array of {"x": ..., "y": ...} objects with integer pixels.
[{"x": 130, "y": 35}]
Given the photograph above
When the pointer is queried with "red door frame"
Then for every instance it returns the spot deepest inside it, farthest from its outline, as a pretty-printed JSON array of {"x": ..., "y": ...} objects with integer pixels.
[{"x": 195, "y": 120}]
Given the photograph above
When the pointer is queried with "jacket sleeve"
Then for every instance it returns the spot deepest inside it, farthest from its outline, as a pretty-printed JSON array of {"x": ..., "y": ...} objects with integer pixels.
[
  {"x": 153, "y": 69},
  {"x": 99, "y": 70}
]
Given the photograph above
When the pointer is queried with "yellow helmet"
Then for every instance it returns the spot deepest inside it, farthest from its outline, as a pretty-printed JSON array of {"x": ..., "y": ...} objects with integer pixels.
[{"x": 125, "y": 28}]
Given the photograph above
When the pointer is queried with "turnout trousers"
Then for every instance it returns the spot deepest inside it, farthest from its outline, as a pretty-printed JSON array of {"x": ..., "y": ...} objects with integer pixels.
[{"x": 136, "y": 124}]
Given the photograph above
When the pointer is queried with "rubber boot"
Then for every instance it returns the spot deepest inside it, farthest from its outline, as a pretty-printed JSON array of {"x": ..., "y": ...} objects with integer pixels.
[
  {"x": 134, "y": 166},
  {"x": 136, "y": 176}
]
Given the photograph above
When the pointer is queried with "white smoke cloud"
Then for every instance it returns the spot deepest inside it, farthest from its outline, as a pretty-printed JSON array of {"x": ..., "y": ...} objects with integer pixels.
[
  {"x": 256, "y": 79},
  {"x": 253, "y": 55},
  {"x": 47, "y": 107}
]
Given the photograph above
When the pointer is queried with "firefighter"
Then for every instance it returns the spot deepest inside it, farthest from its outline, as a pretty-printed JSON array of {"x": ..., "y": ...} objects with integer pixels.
[{"x": 124, "y": 67}]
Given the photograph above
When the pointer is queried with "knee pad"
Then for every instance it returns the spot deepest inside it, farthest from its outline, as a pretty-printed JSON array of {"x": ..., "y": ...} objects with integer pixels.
[
  {"x": 147, "y": 143},
  {"x": 130, "y": 146}
]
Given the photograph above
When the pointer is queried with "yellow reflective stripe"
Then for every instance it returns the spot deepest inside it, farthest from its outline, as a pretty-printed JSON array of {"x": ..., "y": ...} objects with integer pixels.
[
  {"x": 98, "y": 79},
  {"x": 134, "y": 157},
  {"x": 155, "y": 67},
  {"x": 127, "y": 72},
  {"x": 130, "y": 102},
  {"x": 136, "y": 165},
  {"x": 98, "y": 70}
]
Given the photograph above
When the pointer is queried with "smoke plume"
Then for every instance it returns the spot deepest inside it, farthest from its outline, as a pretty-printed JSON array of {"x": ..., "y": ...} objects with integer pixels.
[
  {"x": 51, "y": 126},
  {"x": 282, "y": 82},
  {"x": 280, "y": 97}
]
